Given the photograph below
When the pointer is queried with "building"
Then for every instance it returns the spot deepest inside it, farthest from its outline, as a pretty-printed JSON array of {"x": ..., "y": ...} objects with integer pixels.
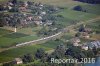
[
  {"x": 43, "y": 13},
  {"x": 38, "y": 20},
  {"x": 18, "y": 61},
  {"x": 75, "y": 41},
  {"x": 94, "y": 44},
  {"x": 22, "y": 9},
  {"x": 85, "y": 47},
  {"x": 91, "y": 45},
  {"x": 85, "y": 35},
  {"x": 88, "y": 30}
]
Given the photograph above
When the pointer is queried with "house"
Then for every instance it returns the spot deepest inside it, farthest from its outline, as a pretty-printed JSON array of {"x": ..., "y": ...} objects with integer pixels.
[
  {"x": 85, "y": 35},
  {"x": 22, "y": 9},
  {"x": 91, "y": 45},
  {"x": 94, "y": 44},
  {"x": 37, "y": 18},
  {"x": 25, "y": 4},
  {"x": 9, "y": 7},
  {"x": 18, "y": 61},
  {"x": 75, "y": 41},
  {"x": 85, "y": 47},
  {"x": 88, "y": 30},
  {"x": 23, "y": 22},
  {"x": 49, "y": 22},
  {"x": 41, "y": 5},
  {"x": 43, "y": 13},
  {"x": 29, "y": 18},
  {"x": 39, "y": 22},
  {"x": 10, "y": 4}
]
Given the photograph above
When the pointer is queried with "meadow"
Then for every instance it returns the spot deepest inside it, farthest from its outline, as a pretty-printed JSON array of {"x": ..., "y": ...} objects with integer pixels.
[
  {"x": 19, "y": 52},
  {"x": 9, "y": 38},
  {"x": 93, "y": 9}
]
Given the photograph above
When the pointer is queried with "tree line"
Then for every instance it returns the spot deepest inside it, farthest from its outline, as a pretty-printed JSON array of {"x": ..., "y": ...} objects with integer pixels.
[{"x": 90, "y": 1}]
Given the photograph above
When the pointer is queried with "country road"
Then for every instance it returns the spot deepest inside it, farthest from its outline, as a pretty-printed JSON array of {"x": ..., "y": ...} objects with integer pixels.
[
  {"x": 50, "y": 37},
  {"x": 38, "y": 40}
]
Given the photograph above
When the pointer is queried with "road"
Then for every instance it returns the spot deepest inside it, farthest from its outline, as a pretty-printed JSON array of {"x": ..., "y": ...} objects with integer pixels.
[
  {"x": 38, "y": 40},
  {"x": 50, "y": 37}
]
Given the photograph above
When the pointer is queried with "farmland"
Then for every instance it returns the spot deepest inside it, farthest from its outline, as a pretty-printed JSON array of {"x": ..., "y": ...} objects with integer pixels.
[
  {"x": 11, "y": 38},
  {"x": 8, "y": 38},
  {"x": 18, "y": 52}
]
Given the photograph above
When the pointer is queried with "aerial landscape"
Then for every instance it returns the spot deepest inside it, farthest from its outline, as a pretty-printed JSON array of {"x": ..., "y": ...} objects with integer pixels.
[{"x": 49, "y": 32}]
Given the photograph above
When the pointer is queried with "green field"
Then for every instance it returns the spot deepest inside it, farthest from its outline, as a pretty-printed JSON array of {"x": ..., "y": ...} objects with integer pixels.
[
  {"x": 95, "y": 9},
  {"x": 77, "y": 15},
  {"x": 4, "y": 32},
  {"x": 52, "y": 44},
  {"x": 8, "y": 38},
  {"x": 18, "y": 52}
]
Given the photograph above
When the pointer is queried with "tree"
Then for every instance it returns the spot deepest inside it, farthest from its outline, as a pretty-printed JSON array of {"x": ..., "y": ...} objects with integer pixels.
[
  {"x": 14, "y": 22},
  {"x": 40, "y": 53},
  {"x": 89, "y": 53},
  {"x": 2, "y": 20},
  {"x": 95, "y": 50},
  {"x": 82, "y": 28},
  {"x": 78, "y": 8},
  {"x": 1, "y": 8},
  {"x": 27, "y": 58},
  {"x": 14, "y": 2},
  {"x": 8, "y": 64},
  {"x": 14, "y": 9},
  {"x": 58, "y": 53},
  {"x": 90, "y": 1},
  {"x": 77, "y": 34},
  {"x": 75, "y": 52}
]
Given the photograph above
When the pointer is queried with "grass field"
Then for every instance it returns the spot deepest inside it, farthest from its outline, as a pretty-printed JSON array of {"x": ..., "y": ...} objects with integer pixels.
[
  {"x": 61, "y": 3},
  {"x": 18, "y": 52},
  {"x": 9, "y": 38},
  {"x": 3, "y": 31},
  {"x": 94, "y": 9},
  {"x": 77, "y": 15},
  {"x": 52, "y": 44}
]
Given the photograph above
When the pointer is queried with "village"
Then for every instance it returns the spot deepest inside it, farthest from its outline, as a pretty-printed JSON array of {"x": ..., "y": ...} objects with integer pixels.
[
  {"x": 54, "y": 38},
  {"x": 25, "y": 14}
]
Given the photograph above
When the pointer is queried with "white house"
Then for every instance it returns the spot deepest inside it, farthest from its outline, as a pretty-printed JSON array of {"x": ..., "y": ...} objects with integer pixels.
[
  {"x": 85, "y": 47},
  {"x": 43, "y": 13},
  {"x": 75, "y": 41},
  {"x": 18, "y": 61}
]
